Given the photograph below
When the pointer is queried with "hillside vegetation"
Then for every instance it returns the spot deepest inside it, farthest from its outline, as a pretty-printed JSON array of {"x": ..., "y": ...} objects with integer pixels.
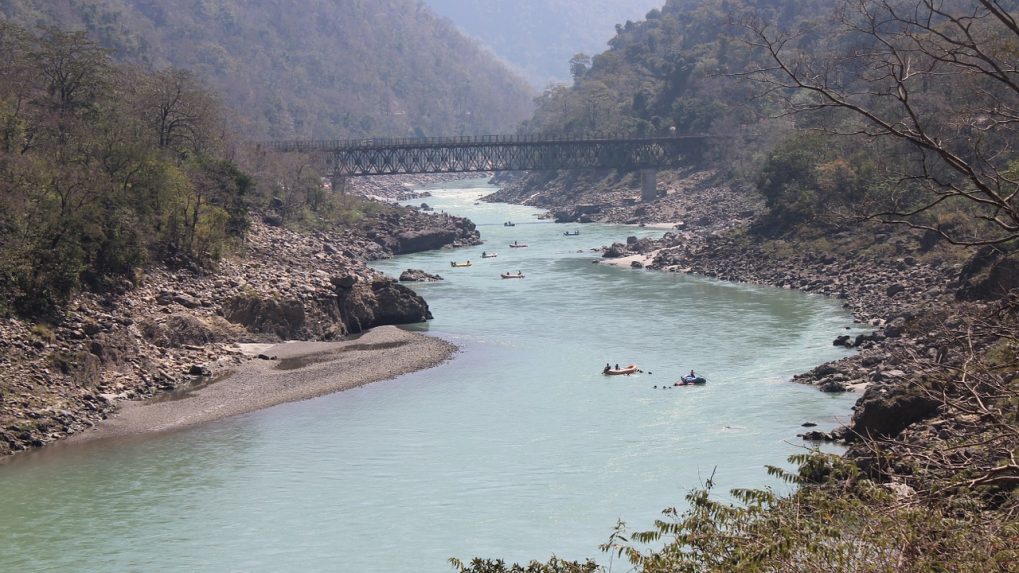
[
  {"x": 102, "y": 167},
  {"x": 106, "y": 168},
  {"x": 540, "y": 37},
  {"x": 313, "y": 69},
  {"x": 819, "y": 152}
]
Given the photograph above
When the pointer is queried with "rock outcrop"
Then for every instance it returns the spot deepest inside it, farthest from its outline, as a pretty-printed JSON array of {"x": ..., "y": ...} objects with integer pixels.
[
  {"x": 989, "y": 275},
  {"x": 418, "y": 276},
  {"x": 884, "y": 410},
  {"x": 382, "y": 302}
]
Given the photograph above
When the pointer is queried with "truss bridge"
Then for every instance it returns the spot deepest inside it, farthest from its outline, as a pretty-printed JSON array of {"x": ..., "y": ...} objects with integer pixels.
[{"x": 391, "y": 156}]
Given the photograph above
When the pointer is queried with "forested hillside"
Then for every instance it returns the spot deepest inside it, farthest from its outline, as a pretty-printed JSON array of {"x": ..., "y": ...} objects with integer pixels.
[
  {"x": 540, "y": 37},
  {"x": 806, "y": 119},
  {"x": 670, "y": 70},
  {"x": 317, "y": 68}
]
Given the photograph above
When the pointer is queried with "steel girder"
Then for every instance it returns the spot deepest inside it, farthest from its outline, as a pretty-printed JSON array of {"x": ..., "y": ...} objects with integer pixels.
[{"x": 497, "y": 153}]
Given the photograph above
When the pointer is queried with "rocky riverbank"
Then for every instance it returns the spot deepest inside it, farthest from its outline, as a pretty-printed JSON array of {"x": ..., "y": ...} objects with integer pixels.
[
  {"x": 174, "y": 327},
  {"x": 692, "y": 200}
]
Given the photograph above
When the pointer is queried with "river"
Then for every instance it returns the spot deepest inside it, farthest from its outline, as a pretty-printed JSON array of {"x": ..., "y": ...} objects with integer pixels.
[{"x": 518, "y": 448}]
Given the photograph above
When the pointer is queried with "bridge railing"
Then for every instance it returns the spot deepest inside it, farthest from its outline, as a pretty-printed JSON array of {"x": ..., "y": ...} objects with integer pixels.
[{"x": 455, "y": 141}]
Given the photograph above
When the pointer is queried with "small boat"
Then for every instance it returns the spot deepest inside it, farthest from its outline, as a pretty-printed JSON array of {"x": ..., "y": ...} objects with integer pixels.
[
  {"x": 455, "y": 264},
  {"x": 571, "y": 233},
  {"x": 489, "y": 255},
  {"x": 509, "y": 224},
  {"x": 516, "y": 245},
  {"x": 517, "y": 275},
  {"x": 630, "y": 369},
  {"x": 688, "y": 380}
]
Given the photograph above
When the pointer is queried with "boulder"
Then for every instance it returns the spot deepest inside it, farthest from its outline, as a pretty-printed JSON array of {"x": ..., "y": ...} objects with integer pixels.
[
  {"x": 417, "y": 275},
  {"x": 382, "y": 302},
  {"x": 989, "y": 275},
  {"x": 197, "y": 370},
  {"x": 826, "y": 369},
  {"x": 895, "y": 328},
  {"x": 187, "y": 301},
  {"x": 615, "y": 251},
  {"x": 423, "y": 240},
  {"x": 885, "y": 411},
  {"x": 894, "y": 289},
  {"x": 832, "y": 387}
]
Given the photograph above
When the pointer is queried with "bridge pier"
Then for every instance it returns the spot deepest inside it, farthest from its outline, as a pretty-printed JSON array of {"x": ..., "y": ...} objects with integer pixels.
[
  {"x": 339, "y": 184},
  {"x": 648, "y": 184}
]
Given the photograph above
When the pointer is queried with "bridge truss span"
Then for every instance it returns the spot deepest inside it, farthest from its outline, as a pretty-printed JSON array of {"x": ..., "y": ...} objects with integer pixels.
[{"x": 362, "y": 157}]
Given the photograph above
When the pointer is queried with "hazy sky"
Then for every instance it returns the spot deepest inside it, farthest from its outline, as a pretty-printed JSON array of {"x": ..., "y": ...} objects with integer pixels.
[{"x": 538, "y": 37}]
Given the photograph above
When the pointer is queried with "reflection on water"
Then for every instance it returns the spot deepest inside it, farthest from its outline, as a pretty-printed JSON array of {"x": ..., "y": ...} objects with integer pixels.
[{"x": 517, "y": 448}]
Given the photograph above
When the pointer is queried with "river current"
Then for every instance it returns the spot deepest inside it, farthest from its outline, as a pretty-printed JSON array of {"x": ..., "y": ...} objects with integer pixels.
[{"x": 517, "y": 448}]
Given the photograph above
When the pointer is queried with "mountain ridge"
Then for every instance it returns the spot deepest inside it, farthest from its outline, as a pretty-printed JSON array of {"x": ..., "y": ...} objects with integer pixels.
[{"x": 333, "y": 68}]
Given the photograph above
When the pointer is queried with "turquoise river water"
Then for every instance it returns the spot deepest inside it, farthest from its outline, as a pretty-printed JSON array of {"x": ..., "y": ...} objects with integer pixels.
[{"x": 518, "y": 448}]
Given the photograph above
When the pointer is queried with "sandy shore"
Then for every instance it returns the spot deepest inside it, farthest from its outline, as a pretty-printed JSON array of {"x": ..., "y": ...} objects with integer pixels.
[
  {"x": 644, "y": 259},
  {"x": 302, "y": 370}
]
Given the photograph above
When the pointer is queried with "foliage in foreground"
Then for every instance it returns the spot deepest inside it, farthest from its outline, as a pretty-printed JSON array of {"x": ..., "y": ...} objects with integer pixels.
[{"x": 855, "y": 526}]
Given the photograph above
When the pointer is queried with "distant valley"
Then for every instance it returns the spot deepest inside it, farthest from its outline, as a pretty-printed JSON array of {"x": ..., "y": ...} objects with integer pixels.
[{"x": 539, "y": 37}]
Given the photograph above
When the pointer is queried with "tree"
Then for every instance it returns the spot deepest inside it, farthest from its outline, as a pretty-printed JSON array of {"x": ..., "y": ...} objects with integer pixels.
[
  {"x": 180, "y": 111},
  {"x": 75, "y": 72},
  {"x": 579, "y": 65},
  {"x": 937, "y": 76}
]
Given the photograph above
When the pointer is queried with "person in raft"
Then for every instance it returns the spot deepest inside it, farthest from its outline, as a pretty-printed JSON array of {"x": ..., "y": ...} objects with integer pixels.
[{"x": 607, "y": 367}]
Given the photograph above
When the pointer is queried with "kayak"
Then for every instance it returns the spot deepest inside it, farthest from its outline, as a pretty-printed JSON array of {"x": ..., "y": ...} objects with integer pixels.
[{"x": 512, "y": 275}]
